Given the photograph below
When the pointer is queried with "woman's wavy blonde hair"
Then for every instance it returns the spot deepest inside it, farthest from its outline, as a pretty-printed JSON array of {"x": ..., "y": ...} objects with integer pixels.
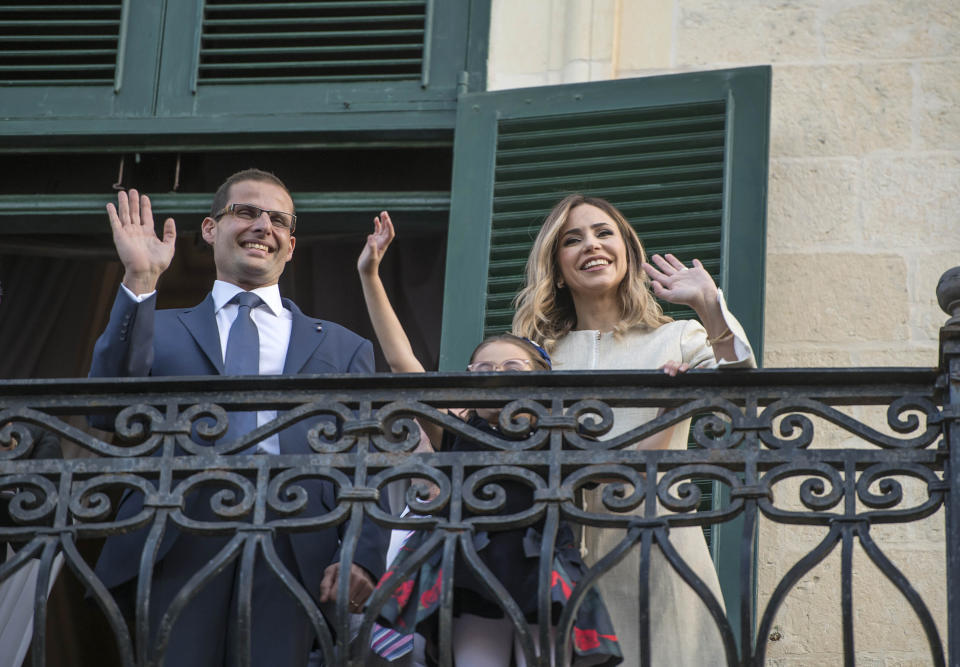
[{"x": 545, "y": 312}]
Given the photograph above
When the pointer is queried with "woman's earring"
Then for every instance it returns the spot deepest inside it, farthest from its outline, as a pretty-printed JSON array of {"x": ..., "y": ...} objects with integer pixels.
[{"x": 560, "y": 284}]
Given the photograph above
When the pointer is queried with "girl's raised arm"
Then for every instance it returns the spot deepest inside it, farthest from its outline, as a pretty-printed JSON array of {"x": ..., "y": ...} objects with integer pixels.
[{"x": 393, "y": 339}]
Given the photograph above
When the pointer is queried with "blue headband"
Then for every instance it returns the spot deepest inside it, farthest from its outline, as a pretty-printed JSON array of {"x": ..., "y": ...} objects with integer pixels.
[{"x": 543, "y": 353}]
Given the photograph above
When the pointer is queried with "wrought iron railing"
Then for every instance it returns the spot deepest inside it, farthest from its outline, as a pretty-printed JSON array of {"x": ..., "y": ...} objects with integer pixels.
[{"x": 758, "y": 431}]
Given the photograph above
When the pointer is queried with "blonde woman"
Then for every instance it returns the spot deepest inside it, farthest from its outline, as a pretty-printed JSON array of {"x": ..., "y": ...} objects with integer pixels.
[{"x": 588, "y": 299}]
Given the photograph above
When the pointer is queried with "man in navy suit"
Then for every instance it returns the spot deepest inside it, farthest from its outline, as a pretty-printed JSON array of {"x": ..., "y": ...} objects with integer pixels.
[{"x": 251, "y": 230}]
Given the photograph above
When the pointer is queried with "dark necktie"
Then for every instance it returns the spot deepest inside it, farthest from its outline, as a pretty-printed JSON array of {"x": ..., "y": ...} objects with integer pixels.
[
  {"x": 243, "y": 341},
  {"x": 243, "y": 357}
]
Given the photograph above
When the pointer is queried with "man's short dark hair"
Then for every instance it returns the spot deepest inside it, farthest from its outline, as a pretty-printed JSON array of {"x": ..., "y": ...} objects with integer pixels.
[{"x": 220, "y": 198}]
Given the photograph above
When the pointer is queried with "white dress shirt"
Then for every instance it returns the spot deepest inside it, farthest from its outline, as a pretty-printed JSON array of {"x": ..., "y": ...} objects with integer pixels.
[{"x": 274, "y": 324}]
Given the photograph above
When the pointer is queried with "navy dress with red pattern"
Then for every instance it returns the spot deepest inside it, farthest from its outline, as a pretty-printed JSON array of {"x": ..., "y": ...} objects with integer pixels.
[{"x": 513, "y": 557}]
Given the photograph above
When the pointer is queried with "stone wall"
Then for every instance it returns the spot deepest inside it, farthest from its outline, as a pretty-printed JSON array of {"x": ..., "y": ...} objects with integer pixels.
[{"x": 863, "y": 217}]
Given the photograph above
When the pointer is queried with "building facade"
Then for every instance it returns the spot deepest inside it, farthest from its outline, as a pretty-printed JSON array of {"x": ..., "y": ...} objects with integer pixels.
[{"x": 863, "y": 216}]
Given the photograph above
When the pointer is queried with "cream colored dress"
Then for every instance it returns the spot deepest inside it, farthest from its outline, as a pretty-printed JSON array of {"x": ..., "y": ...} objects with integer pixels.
[{"x": 682, "y": 631}]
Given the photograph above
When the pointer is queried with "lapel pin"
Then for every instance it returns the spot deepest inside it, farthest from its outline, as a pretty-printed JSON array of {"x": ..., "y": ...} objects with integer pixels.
[{"x": 319, "y": 328}]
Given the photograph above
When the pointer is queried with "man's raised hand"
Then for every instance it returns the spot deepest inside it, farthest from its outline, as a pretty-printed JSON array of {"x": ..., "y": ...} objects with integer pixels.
[{"x": 143, "y": 254}]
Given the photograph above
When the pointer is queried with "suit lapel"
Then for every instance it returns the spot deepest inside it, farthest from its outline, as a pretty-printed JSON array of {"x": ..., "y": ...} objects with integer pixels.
[
  {"x": 305, "y": 337},
  {"x": 201, "y": 322}
]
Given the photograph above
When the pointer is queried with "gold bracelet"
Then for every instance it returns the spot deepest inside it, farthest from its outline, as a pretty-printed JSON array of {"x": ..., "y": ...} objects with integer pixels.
[{"x": 719, "y": 339}]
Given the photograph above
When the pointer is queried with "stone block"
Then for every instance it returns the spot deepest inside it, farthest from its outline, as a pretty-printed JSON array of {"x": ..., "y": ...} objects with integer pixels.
[
  {"x": 520, "y": 38},
  {"x": 884, "y": 620},
  {"x": 826, "y": 434},
  {"x": 912, "y": 202},
  {"x": 907, "y": 353},
  {"x": 813, "y": 201},
  {"x": 902, "y": 659},
  {"x": 877, "y": 418},
  {"x": 808, "y": 621},
  {"x": 785, "y": 355},
  {"x": 808, "y": 624},
  {"x": 719, "y": 32},
  {"x": 840, "y": 110},
  {"x": 601, "y": 70},
  {"x": 507, "y": 81},
  {"x": 910, "y": 493},
  {"x": 603, "y": 30},
  {"x": 835, "y": 298},
  {"x": 927, "y": 534},
  {"x": 890, "y": 29},
  {"x": 936, "y": 122},
  {"x": 577, "y": 30},
  {"x": 780, "y": 547},
  {"x": 645, "y": 35},
  {"x": 576, "y": 71}
]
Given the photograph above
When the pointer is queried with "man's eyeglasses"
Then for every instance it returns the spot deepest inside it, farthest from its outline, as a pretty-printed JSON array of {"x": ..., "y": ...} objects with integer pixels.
[
  {"x": 506, "y": 365},
  {"x": 249, "y": 212}
]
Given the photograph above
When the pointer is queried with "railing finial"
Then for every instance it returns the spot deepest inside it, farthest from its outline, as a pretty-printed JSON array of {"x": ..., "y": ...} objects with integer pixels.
[{"x": 948, "y": 294}]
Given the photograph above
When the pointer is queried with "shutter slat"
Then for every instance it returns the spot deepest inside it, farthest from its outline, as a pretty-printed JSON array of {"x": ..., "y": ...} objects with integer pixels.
[
  {"x": 50, "y": 23},
  {"x": 311, "y": 41},
  {"x": 712, "y": 172},
  {"x": 535, "y": 207},
  {"x": 319, "y": 20},
  {"x": 34, "y": 9},
  {"x": 60, "y": 67},
  {"x": 315, "y": 78},
  {"x": 507, "y": 173},
  {"x": 627, "y": 145},
  {"x": 54, "y": 44},
  {"x": 50, "y": 80},
  {"x": 57, "y": 38},
  {"x": 351, "y": 4},
  {"x": 360, "y": 48},
  {"x": 670, "y": 194},
  {"x": 48, "y": 53},
  {"x": 285, "y": 37},
  {"x": 541, "y": 138},
  {"x": 324, "y": 64},
  {"x": 600, "y": 118}
]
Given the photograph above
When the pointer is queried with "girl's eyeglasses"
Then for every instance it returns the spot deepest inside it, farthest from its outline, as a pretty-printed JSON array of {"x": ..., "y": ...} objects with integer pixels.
[{"x": 506, "y": 365}]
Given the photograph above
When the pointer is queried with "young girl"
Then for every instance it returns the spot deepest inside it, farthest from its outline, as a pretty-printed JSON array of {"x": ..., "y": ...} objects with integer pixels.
[{"x": 482, "y": 635}]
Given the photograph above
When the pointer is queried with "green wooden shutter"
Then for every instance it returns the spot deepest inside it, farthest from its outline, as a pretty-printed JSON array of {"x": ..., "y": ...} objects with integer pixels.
[
  {"x": 50, "y": 42},
  {"x": 380, "y": 40},
  {"x": 61, "y": 59},
  {"x": 338, "y": 57},
  {"x": 683, "y": 156}
]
